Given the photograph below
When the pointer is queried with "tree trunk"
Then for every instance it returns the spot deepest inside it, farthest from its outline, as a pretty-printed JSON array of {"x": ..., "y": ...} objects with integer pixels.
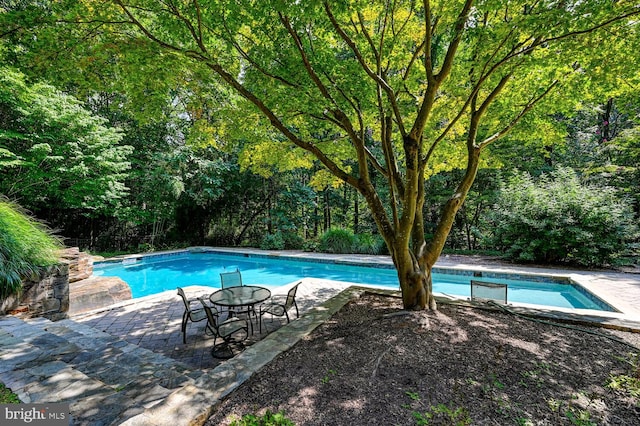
[
  {"x": 414, "y": 280},
  {"x": 269, "y": 207},
  {"x": 327, "y": 211},
  {"x": 413, "y": 257},
  {"x": 316, "y": 216}
]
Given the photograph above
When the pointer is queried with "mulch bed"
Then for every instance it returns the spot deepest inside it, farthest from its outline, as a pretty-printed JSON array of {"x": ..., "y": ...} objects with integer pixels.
[{"x": 375, "y": 364}]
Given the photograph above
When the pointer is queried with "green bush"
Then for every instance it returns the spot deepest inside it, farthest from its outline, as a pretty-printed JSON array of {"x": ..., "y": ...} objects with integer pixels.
[
  {"x": 369, "y": 244},
  {"x": 337, "y": 240},
  {"x": 272, "y": 242},
  {"x": 281, "y": 240},
  {"x": 268, "y": 419},
  {"x": 559, "y": 219},
  {"x": 292, "y": 241},
  {"x": 312, "y": 245},
  {"x": 8, "y": 397},
  {"x": 26, "y": 245}
]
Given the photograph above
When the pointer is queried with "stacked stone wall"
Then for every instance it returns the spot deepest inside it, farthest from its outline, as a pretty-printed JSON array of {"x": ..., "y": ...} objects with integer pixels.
[
  {"x": 45, "y": 294},
  {"x": 80, "y": 264},
  {"x": 50, "y": 293}
]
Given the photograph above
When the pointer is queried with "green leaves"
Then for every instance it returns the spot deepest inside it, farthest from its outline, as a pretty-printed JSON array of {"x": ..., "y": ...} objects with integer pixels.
[
  {"x": 559, "y": 219},
  {"x": 25, "y": 245},
  {"x": 54, "y": 150}
]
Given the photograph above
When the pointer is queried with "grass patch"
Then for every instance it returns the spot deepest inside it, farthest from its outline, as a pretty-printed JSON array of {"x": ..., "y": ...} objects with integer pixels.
[
  {"x": 8, "y": 397},
  {"x": 268, "y": 419}
]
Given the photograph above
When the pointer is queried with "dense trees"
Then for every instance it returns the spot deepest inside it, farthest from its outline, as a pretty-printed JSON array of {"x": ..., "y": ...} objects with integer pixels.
[
  {"x": 54, "y": 154},
  {"x": 401, "y": 103}
]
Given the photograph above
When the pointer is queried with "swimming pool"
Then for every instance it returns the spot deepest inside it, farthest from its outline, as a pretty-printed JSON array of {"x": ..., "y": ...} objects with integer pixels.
[{"x": 156, "y": 273}]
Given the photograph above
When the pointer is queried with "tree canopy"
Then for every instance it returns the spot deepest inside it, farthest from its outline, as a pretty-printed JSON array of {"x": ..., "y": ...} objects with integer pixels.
[
  {"x": 54, "y": 151},
  {"x": 398, "y": 89}
]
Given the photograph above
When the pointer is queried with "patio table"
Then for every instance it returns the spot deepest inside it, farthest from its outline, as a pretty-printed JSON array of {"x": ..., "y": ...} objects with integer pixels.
[{"x": 242, "y": 296}]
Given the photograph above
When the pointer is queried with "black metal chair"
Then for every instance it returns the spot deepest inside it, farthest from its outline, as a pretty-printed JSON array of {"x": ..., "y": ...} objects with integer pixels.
[
  {"x": 226, "y": 329},
  {"x": 190, "y": 314},
  {"x": 278, "y": 305}
]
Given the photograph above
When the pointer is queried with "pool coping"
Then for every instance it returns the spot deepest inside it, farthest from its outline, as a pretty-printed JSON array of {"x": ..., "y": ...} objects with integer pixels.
[{"x": 597, "y": 282}]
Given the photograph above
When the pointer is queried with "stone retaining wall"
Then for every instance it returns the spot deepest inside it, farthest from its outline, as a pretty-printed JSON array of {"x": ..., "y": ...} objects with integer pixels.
[
  {"x": 46, "y": 294},
  {"x": 80, "y": 264},
  {"x": 43, "y": 295},
  {"x": 66, "y": 289}
]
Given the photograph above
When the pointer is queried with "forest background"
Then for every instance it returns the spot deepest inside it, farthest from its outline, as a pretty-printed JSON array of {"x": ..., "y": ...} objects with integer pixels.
[{"x": 136, "y": 156}]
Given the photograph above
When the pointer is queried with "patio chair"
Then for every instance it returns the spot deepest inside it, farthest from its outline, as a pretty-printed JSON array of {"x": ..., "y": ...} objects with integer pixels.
[
  {"x": 278, "y": 305},
  {"x": 226, "y": 329},
  {"x": 484, "y": 291},
  {"x": 231, "y": 279},
  {"x": 190, "y": 314}
]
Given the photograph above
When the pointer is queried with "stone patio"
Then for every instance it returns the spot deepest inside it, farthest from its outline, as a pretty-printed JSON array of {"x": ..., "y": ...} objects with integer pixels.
[{"x": 153, "y": 322}]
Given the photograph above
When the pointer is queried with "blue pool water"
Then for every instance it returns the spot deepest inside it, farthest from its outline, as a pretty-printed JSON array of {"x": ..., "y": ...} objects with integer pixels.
[{"x": 156, "y": 273}]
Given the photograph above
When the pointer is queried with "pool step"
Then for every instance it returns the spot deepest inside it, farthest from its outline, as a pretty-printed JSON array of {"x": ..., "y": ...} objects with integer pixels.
[{"x": 104, "y": 379}]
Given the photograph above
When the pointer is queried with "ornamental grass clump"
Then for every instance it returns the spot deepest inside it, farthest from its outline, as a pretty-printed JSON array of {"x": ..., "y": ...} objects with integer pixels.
[
  {"x": 26, "y": 245},
  {"x": 337, "y": 240}
]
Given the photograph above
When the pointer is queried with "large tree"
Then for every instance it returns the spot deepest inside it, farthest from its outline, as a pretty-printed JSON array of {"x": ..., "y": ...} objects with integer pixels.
[{"x": 401, "y": 88}]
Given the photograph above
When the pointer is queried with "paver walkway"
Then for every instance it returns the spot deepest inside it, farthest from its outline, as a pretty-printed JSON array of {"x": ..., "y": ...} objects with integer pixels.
[
  {"x": 128, "y": 365},
  {"x": 109, "y": 381}
]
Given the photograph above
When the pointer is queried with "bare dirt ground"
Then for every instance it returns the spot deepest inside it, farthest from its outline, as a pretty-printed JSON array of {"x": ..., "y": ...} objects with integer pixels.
[{"x": 375, "y": 364}]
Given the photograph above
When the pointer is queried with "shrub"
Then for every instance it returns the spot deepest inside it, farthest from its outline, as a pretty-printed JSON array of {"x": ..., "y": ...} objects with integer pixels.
[
  {"x": 369, "y": 244},
  {"x": 272, "y": 242},
  {"x": 311, "y": 245},
  {"x": 268, "y": 419},
  {"x": 337, "y": 240},
  {"x": 25, "y": 246},
  {"x": 559, "y": 219},
  {"x": 292, "y": 240},
  {"x": 8, "y": 397}
]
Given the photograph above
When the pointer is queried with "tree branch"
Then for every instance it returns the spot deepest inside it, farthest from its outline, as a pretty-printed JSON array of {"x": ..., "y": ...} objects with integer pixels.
[
  {"x": 194, "y": 34},
  {"x": 515, "y": 121},
  {"x": 455, "y": 41},
  {"x": 428, "y": 60},
  {"x": 305, "y": 59},
  {"x": 375, "y": 77},
  {"x": 430, "y": 93},
  {"x": 187, "y": 52},
  {"x": 376, "y": 52},
  {"x": 249, "y": 59},
  {"x": 278, "y": 124}
]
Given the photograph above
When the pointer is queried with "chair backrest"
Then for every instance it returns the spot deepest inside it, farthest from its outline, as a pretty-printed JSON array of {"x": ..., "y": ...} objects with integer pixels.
[
  {"x": 291, "y": 296},
  {"x": 211, "y": 316},
  {"x": 184, "y": 299},
  {"x": 231, "y": 279},
  {"x": 484, "y": 291}
]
